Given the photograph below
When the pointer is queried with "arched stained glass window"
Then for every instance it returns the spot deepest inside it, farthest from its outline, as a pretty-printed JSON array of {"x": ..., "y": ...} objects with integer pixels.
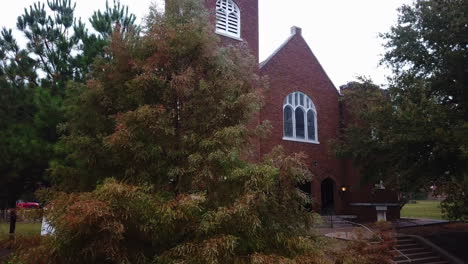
[
  {"x": 228, "y": 20},
  {"x": 288, "y": 121},
  {"x": 311, "y": 125},
  {"x": 299, "y": 118},
  {"x": 300, "y": 129}
]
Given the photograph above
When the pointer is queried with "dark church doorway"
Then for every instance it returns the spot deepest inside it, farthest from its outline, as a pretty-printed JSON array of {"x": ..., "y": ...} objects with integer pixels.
[{"x": 328, "y": 196}]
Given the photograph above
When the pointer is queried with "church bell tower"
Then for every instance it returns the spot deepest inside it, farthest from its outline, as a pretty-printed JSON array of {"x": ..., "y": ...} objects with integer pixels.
[{"x": 236, "y": 21}]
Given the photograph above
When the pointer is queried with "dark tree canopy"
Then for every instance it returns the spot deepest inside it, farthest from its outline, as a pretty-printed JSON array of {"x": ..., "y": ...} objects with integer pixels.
[
  {"x": 430, "y": 43},
  {"x": 416, "y": 134},
  {"x": 33, "y": 83},
  {"x": 428, "y": 52}
]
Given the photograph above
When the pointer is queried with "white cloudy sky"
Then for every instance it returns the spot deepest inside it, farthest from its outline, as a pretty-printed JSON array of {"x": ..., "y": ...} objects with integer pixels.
[{"x": 342, "y": 33}]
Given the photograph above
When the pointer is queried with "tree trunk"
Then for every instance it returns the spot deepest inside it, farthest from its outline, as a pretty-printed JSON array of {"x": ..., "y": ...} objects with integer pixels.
[{"x": 12, "y": 222}]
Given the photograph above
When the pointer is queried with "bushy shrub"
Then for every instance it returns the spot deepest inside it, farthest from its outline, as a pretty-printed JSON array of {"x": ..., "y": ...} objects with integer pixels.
[
  {"x": 455, "y": 204},
  {"x": 378, "y": 248},
  {"x": 120, "y": 223},
  {"x": 27, "y": 245},
  {"x": 29, "y": 214}
]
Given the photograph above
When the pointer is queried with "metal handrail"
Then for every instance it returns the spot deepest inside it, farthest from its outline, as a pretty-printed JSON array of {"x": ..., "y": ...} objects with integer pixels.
[
  {"x": 401, "y": 254},
  {"x": 381, "y": 239}
]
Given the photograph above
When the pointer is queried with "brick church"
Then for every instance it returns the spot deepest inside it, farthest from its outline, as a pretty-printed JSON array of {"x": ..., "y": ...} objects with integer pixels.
[{"x": 304, "y": 109}]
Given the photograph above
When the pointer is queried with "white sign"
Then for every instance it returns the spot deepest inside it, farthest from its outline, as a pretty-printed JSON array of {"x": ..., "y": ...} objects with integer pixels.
[{"x": 46, "y": 228}]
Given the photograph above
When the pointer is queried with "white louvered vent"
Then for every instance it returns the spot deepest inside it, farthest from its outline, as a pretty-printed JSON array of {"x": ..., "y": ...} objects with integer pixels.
[{"x": 227, "y": 18}]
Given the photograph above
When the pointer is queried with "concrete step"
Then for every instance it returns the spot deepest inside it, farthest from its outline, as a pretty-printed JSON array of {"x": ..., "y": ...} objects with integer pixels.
[
  {"x": 402, "y": 261},
  {"x": 426, "y": 260},
  {"x": 421, "y": 254},
  {"x": 422, "y": 261},
  {"x": 416, "y": 251},
  {"x": 409, "y": 262},
  {"x": 406, "y": 242},
  {"x": 404, "y": 238},
  {"x": 335, "y": 225},
  {"x": 412, "y": 250},
  {"x": 408, "y": 246}
]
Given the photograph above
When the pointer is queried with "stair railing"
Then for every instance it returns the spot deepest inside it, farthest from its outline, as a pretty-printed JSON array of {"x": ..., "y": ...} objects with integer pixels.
[{"x": 378, "y": 236}]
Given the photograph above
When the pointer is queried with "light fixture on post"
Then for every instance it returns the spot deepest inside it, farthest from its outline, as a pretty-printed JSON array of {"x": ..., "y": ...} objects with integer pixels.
[{"x": 344, "y": 188}]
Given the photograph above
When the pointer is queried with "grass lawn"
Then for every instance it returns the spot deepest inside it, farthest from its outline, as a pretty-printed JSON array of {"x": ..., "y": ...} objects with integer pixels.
[
  {"x": 422, "y": 209},
  {"x": 21, "y": 229}
]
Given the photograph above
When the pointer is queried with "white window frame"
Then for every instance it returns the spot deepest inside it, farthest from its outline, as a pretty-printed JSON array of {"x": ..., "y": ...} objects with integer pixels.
[
  {"x": 236, "y": 11},
  {"x": 308, "y": 105}
]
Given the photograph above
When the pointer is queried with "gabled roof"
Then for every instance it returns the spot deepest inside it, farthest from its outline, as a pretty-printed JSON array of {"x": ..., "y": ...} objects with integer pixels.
[
  {"x": 296, "y": 31},
  {"x": 263, "y": 63}
]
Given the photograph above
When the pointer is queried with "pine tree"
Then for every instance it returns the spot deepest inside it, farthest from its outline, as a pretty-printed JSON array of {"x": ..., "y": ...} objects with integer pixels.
[
  {"x": 33, "y": 83},
  {"x": 172, "y": 78}
]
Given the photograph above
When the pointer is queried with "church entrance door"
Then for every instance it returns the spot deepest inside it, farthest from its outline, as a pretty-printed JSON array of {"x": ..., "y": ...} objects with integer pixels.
[{"x": 328, "y": 196}]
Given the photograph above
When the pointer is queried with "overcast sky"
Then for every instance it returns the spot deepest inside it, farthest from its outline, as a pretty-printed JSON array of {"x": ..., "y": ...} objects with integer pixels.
[{"x": 341, "y": 33}]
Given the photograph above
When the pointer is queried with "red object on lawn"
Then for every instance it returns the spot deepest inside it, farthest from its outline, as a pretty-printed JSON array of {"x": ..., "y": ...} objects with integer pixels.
[{"x": 27, "y": 205}]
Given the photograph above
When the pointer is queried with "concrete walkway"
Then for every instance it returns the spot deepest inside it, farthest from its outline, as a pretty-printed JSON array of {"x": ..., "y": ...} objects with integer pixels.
[
  {"x": 416, "y": 222},
  {"x": 344, "y": 229}
]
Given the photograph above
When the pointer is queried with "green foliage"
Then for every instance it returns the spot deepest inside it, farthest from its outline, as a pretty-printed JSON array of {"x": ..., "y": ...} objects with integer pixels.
[
  {"x": 367, "y": 110},
  {"x": 51, "y": 40},
  {"x": 369, "y": 251},
  {"x": 455, "y": 206},
  {"x": 400, "y": 139},
  {"x": 24, "y": 241},
  {"x": 170, "y": 108},
  {"x": 61, "y": 46},
  {"x": 419, "y": 125},
  {"x": 113, "y": 17},
  {"x": 21, "y": 147},
  {"x": 33, "y": 83},
  {"x": 158, "y": 140},
  {"x": 429, "y": 44},
  {"x": 119, "y": 223},
  {"x": 166, "y": 116}
]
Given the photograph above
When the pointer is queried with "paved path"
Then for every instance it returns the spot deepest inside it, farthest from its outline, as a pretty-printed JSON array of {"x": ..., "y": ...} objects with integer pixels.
[{"x": 413, "y": 222}]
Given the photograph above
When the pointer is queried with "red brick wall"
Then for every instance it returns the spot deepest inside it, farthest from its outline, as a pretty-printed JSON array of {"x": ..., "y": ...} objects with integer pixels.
[{"x": 295, "y": 68}]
